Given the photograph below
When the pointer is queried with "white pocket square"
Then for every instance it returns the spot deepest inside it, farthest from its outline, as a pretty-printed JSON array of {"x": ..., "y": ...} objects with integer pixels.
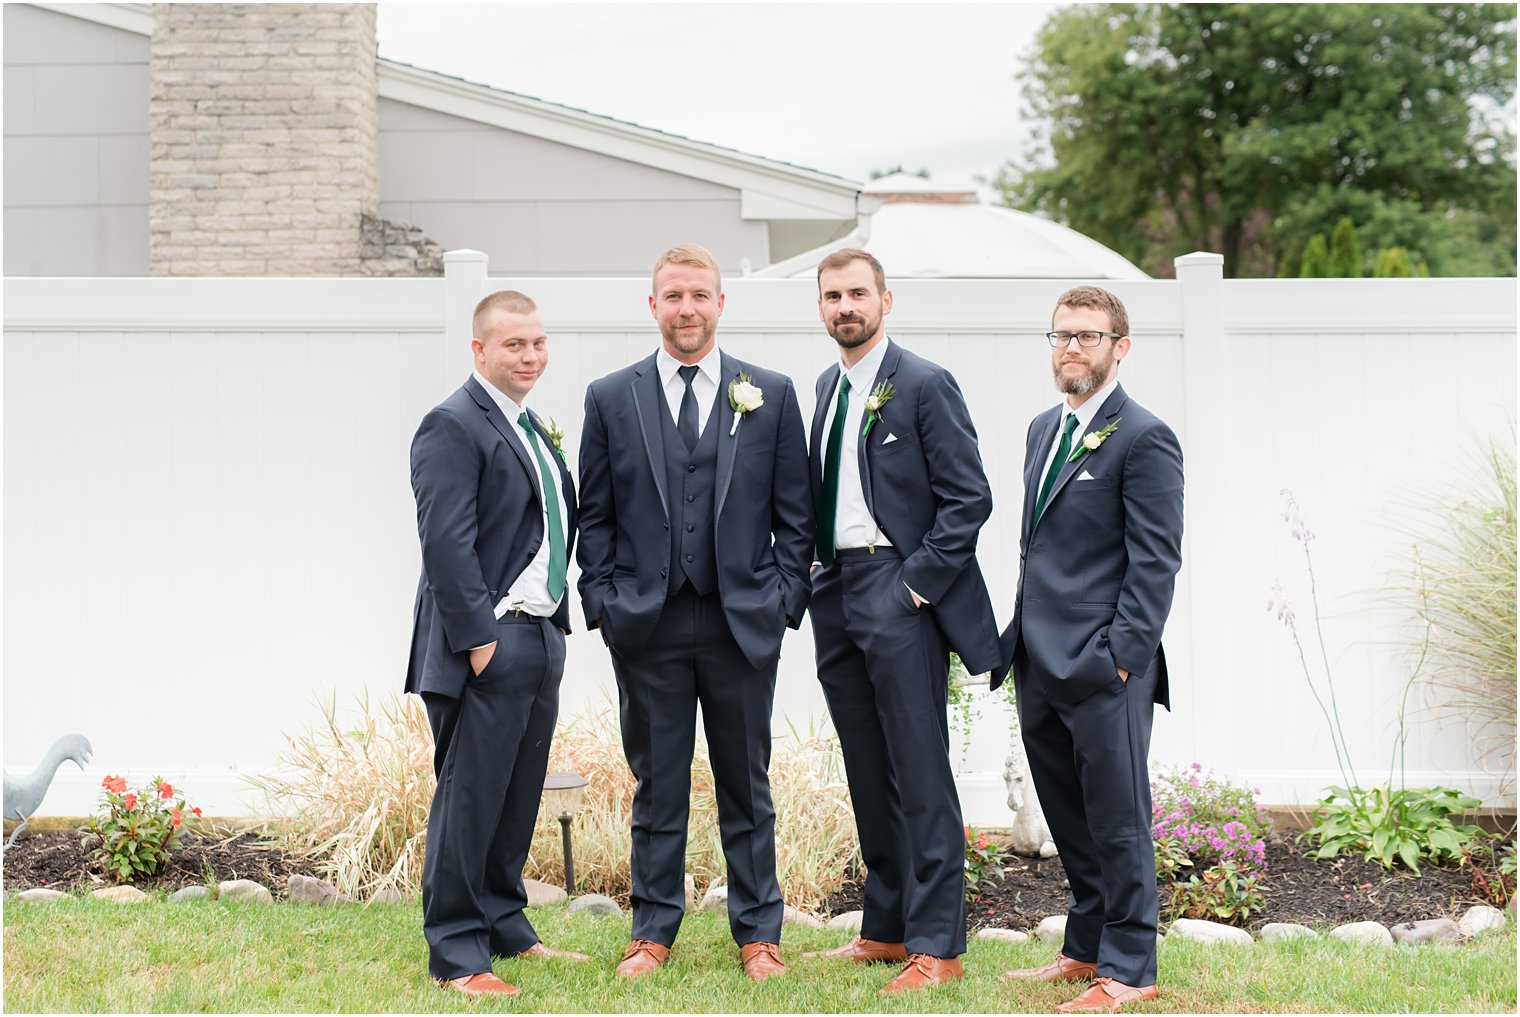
[
  {"x": 890, "y": 439},
  {"x": 1084, "y": 475}
]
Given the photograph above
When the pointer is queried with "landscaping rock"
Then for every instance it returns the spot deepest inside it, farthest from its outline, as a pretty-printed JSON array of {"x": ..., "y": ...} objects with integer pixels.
[
  {"x": 716, "y": 898},
  {"x": 1365, "y": 933},
  {"x": 1431, "y": 930},
  {"x": 1195, "y": 930},
  {"x": 186, "y": 893},
  {"x": 1276, "y": 931},
  {"x": 1480, "y": 919},
  {"x": 244, "y": 889},
  {"x": 594, "y": 904},
  {"x": 1051, "y": 930},
  {"x": 543, "y": 894},
  {"x": 1004, "y": 935},
  {"x": 796, "y": 916},
  {"x": 40, "y": 895},
  {"x": 848, "y": 921},
  {"x": 120, "y": 894},
  {"x": 386, "y": 896},
  {"x": 309, "y": 890},
  {"x": 691, "y": 892}
]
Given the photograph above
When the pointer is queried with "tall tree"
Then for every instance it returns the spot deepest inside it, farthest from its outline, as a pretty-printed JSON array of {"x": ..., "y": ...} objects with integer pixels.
[
  {"x": 1345, "y": 252},
  {"x": 1247, "y": 128}
]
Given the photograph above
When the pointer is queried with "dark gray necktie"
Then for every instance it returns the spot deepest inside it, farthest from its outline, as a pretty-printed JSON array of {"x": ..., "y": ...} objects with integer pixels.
[{"x": 686, "y": 419}]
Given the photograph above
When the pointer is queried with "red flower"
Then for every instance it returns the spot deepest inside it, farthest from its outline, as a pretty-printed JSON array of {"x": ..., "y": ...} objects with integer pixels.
[
  {"x": 197, "y": 811},
  {"x": 130, "y": 802},
  {"x": 982, "y": 841},
  {"x": 165, "y": 790},
  {"x": 115, "y": 785},
  {"x": 968, "y": 833},
  {"x": 177, "y": 817}
]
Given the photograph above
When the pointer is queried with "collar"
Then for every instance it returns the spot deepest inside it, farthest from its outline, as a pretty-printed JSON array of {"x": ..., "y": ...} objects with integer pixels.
[
  {"x": 863, "y": 374},
  {"x": 508, "y": 406},
  {"x": 711, "y": 365}
]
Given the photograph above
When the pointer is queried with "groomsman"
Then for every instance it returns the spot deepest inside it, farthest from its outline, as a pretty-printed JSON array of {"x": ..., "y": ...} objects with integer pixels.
[
  {"x": 696, "y": 536},
  {"x": 1100, "y": 546},
  {"x": 496, "y": 518},
  {"x": 900, "y": 495}
]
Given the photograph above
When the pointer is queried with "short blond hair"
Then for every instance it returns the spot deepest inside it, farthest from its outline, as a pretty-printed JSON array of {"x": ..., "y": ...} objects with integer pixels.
[
  {"x": 845, "y": 255},
  {"x": 687, "y": 254},
  {"x": 1096, "y": 298},
  {"x": 510, "y": 301}
]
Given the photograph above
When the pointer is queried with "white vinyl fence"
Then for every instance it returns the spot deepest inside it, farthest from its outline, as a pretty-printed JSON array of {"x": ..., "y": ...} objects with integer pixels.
[{"x": 208, "y": 526}]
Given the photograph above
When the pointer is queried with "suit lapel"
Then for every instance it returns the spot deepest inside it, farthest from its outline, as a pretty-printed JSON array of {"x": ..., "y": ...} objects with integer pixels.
[
  {"x": 728, "y": 437},
  {"x": 504, "y": 428},
  {"x": 823, "y": 397},
  {"x": 648, "y": 403},
  {"x": 888, "y": 368},
  {"x": 1105, "y": 415},
  {"x": 1051, "y": 430}
]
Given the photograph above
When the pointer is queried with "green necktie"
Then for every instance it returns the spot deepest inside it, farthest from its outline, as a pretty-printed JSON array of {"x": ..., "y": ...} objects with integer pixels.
[
  {"x": 829, "y": 507},
  {"x": 557, "y": 560},
  {"x": 1062, "y": 451}
]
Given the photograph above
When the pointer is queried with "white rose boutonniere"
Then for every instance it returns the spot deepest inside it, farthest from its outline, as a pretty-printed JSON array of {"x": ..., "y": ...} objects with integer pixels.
[
  {"x": 743, "y": 396},
  {"x": 1092, "y": 440},
  {"x": 878, "y": 398}
]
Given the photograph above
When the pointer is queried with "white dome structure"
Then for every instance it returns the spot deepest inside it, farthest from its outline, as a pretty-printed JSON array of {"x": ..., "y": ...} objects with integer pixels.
[{"x": 930, "y": 229}]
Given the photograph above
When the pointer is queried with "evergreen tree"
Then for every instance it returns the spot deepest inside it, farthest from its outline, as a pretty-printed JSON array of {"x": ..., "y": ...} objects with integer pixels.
[
  {"x": 1345, "y": 255},
  {"x": 1316, "y": 263}
]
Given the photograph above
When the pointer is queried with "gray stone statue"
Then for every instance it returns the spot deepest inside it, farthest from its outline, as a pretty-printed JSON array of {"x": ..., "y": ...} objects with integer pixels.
[{"x": 24, "y": 794}]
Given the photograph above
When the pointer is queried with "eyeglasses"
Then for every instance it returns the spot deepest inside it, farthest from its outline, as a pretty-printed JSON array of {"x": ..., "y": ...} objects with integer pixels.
[{"x": 1061, "y": 340}]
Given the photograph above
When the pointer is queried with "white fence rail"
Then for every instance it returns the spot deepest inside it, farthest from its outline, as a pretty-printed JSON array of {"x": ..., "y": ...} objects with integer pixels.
[{"x": 208, "y": 524}]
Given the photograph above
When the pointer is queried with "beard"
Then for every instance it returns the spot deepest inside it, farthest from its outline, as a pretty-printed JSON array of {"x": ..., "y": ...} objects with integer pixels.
[
  {"x": 684, "y": 342},
  {"x": 1094, "y": 378},
  {"x": 860, "y": 330}
]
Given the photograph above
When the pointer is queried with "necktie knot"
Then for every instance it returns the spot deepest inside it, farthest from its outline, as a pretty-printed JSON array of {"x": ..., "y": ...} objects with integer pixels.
[{"x": 687, "y": 373}]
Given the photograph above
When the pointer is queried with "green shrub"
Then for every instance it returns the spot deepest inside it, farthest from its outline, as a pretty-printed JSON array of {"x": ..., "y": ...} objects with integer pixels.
[{"x": 1389, "y": 826}]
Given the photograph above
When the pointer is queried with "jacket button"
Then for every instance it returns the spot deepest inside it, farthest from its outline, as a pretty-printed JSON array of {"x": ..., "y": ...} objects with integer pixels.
[
  {"x": 666, "y": 525},
  {"x": 691, "y": 469},
  {"x": 688, "y": 557},
  {"x": 662, "y": 573},
  {"x": 691, "y": 497},
  {"x": 689, "y": 527}
]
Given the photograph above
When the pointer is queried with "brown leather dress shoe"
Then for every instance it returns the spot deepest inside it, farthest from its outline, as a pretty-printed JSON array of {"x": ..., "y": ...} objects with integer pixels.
[
  {"x": 641, "y": 958},
  {"x": 1105, "y": 995},
  {"x": 761, "y": 961},
  {"x": 922, "y": 972},
  {"x": 483, "y": 984},
  {"x": 1062, "y": 969},
  {"x": 865, "y": 951},
  {"x": 543, "y": 952}
]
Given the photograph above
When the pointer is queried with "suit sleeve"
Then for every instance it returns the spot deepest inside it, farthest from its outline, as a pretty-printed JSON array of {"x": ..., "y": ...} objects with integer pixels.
[
  {"x": 962, "y": 495},
  {"x": 792, "y": 521},
  {"x": 598, "y": 521},
  {"x": 446, "y": 468},
  {"x": 1152, "y": 497}
]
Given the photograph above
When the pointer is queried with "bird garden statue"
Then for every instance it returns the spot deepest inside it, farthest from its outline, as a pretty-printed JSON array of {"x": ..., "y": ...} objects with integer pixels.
[{"x": 24, "y": 794}]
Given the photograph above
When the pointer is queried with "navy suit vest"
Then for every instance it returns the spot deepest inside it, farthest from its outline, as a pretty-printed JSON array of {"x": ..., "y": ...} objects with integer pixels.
[{"x": 691, "y": 479}]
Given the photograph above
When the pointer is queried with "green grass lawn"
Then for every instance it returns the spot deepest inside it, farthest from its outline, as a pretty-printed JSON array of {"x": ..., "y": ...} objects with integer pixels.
[{"x": 83, "y": 955}]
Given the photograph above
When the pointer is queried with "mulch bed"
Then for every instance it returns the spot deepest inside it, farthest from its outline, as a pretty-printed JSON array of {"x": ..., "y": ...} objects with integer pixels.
[
  {"x": 60, "y": 860},
  {"x": 1297, "y": 889}
]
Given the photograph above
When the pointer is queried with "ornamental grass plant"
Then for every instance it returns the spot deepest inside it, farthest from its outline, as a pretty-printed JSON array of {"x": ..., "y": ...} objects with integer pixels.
[{"x": 354, "y": 794}]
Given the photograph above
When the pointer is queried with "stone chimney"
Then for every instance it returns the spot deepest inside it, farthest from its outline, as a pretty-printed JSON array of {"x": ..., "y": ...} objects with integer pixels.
[{"x": 265, "y": 161}]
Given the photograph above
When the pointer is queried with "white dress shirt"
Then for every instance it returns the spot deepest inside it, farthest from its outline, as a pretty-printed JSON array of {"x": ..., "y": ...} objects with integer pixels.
[
  {"x": 529, "y": 592},
  {"x": 854, "y": 526},
  {"x": 1085, "y": 414},
  {"x": 704, "y": 384}
]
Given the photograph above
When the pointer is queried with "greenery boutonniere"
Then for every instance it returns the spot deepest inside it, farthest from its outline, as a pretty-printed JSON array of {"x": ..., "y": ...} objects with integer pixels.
[
  {"x": 557, "y": 436},
  {"x": 878, "y": 398},
  {"x": 1091, "y": 440},
  {"x": 743, "y": 395}
]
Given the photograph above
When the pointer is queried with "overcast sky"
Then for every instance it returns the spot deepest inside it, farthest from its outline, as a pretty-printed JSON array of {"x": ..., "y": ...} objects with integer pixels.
[{"x": 843, "y": 88}]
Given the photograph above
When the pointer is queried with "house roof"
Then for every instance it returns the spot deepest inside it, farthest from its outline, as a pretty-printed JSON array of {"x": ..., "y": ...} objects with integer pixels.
[{"x": 768, "y": 188}]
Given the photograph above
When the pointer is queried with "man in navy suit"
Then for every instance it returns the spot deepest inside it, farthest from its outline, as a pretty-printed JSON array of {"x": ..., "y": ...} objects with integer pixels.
[
  {"x": 696, "y": 536},
  {"x": 1100, "y": 546},
  {"x": 900, "y": 496},
  {"x": 496, "y": 517}
]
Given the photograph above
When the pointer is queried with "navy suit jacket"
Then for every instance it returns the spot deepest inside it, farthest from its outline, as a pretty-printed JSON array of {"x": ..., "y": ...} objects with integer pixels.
[
  {"x": 927, "y": 490},
  {"x": 763, "y": 525},
  {"x": 480, "y": 521},
  {"x": 1096, "y": 577}
]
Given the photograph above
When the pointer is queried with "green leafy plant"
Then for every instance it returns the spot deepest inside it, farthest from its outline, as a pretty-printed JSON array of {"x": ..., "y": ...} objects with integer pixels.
[
  {"x": 984, "y": 862},
  {"x": 1211, "y": 842},
  {"x": 1387, "y": 825},
  {"x": 965, "y": 701},
  {"x": 138, "y": 829},
  {"x": 1227, "y": 892}
]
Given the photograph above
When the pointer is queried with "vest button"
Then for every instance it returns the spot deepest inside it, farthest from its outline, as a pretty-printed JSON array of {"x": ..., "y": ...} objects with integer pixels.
[
  {"x": 689, "y": 527},
  {"x": 691, "y": 497},
  {"x": 690, "y": 468},
  {"x": 688, "y": 557}
]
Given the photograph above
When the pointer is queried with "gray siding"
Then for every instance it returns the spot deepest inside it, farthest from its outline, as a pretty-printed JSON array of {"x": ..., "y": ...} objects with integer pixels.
[
  {"x": 541, "y": 208},
  {"x": 76, "y": 146}
]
